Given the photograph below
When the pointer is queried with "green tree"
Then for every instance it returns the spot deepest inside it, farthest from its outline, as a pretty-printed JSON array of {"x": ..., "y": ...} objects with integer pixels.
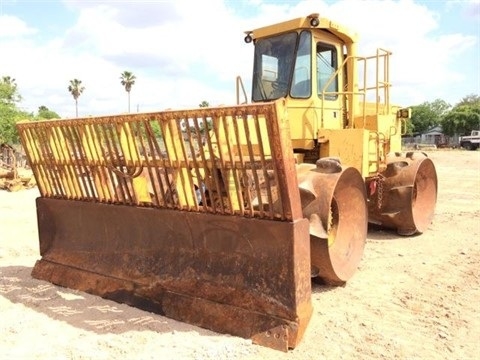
[
  {"x": 9, "y": 116},
  {"x": 127, "y": 80},
  {"x": 428, "y": 115},
  {"x": 46, "y": 113},
  {"x": 207, "y": 124},
  {"x": 9, "y": 113},
  {"x": 464, "y": 117},
  {"x": 76, "y": 89},
  {"x": 8, "y": 90},
  {"x": 470, "y": 100}
]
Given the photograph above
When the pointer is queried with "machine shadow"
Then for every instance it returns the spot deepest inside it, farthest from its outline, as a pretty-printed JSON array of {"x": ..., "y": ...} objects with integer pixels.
[
  {"x": 103, "y": 316},
  {"x": 80, "y": 309},
  {"x": 377, "y": 232},
  {"x": 320, "y": 287}
]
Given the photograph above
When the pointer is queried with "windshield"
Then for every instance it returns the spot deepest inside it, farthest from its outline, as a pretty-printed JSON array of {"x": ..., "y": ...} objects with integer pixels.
[{"x": 273, "y": 66}]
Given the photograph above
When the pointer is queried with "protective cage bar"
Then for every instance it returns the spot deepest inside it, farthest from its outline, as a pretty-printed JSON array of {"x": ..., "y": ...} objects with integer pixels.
[{"x": 227, "y": 160}]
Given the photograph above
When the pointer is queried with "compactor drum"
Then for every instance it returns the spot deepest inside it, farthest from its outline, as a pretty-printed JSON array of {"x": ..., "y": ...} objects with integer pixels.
[{"x": 220, "y": 217}]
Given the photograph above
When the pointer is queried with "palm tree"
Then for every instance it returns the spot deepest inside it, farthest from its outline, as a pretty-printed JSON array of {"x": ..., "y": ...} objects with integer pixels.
[
  {"x": 128, "y": 79},
  {"x": 76, "y": 90}
]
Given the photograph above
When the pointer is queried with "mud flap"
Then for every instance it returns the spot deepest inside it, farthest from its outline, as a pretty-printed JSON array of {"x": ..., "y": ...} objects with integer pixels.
[{"x": 242, "y": 276}]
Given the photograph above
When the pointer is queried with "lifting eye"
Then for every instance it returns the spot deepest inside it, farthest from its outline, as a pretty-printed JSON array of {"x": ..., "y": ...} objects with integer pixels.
[{"x": 248, "y": 39}]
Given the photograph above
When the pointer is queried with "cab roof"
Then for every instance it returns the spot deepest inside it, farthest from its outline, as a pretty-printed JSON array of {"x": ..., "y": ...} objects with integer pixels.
[{"x": 343, "y": 33}]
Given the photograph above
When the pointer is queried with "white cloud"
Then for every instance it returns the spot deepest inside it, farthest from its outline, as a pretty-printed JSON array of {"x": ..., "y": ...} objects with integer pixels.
[
  {"x": 13, "y": 27},
  {"x": 184, "y": 52},
  {"x": 170, "y": 60}
]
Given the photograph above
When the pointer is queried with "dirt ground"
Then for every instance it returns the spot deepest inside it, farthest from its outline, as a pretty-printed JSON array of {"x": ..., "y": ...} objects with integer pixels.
[{"x": 412, "y": 298}]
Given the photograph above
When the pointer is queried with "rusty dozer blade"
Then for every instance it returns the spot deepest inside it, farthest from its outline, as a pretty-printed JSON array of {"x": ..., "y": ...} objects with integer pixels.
[
  {"x": 334, "y": 200},
  {"x": 403, "y": 197},
  {"x": 192, "y": 214},
  {"x": 229, "y": 274}
]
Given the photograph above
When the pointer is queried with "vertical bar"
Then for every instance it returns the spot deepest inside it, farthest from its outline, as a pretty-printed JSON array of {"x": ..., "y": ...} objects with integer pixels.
[
  {"x": 112, "y": 159},
  {"x": 212, "y": 170},
  {"x": 252, "y": 160},
  {"x": 172, "y": 139},
  {"x": 91, "y": 140},
  {"x": 158, "y": 151},
  {"x": 204, "y": 163},
  {"x": 78, "y": 154},
  {"x": 119, "y": 161},
  {"x": 138, "y": 181},
  {"x": 241, "y": 163},
  {"x": 69, "y": 176},
  {"x": 34, "y": 159},
  {"x": 198, "y": 174},
  {"x": 234, "y": 194},
  {"x": 222, "y": 142},
  {"x": 189, "y": 186},
  {"x": 152, "y": 165},
  {"x": 146, "y": 157},
  {"x": 282, "y": 156},
  {"x": 260, "y": 139},
  {"x": 50, "y": 165}
]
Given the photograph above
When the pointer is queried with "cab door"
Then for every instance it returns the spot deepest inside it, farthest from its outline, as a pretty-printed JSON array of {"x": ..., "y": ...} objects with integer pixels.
[
  {"x": 316, "y": 81},
  {"x": 328, "y": 83}
]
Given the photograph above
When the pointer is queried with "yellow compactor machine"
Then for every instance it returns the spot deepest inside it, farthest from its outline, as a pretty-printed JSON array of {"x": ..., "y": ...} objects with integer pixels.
[{"x": 221, "y": 216}]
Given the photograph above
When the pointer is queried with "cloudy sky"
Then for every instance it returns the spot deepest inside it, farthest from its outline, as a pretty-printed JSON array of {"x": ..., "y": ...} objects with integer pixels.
[{"x": 184, "y": 52}]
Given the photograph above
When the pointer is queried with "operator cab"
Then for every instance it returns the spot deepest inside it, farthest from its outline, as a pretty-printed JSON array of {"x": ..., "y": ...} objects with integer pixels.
[
  {"x": 302, "y": 61},
  {"x": 283, "y": 67}
]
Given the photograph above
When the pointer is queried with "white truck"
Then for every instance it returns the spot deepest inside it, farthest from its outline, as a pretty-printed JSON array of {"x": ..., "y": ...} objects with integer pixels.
[{"x": 471, "y": 142}]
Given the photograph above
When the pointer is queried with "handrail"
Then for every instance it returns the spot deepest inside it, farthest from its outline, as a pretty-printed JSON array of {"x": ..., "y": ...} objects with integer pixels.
[
  {"x": 239, "y": 84},
  {"x": 381, "y": 84}
]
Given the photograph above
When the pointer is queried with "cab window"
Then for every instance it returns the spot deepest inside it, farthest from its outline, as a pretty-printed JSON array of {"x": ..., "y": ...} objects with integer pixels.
[
  {"x": 273, "y": 66},
  {"x": 326, "y": 68},
  {"x": 302, "y": 81}
]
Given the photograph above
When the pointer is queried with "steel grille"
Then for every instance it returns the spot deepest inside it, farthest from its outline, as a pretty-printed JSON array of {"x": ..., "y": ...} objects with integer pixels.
[{"x": 229, "y": 160}]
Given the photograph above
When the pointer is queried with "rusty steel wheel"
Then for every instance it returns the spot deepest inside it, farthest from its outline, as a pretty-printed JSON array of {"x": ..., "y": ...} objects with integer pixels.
[
  {"x": 408, "y": 193},
  {"x": 335, "y": 204},
  {"x": 424, "y": 195}
]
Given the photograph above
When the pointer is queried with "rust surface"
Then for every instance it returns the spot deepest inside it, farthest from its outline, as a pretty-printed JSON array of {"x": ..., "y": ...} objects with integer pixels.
[
  {"x": 229, "y": 160},
  {"x": 196, "y": 215},
  {"x": 275, "y": 338},
  {"x": 335, "y": 204},
  {"x": 229, "y": 274},
  {"x": 193, "y": 214},
  {"x": 403, "y": 197}
]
